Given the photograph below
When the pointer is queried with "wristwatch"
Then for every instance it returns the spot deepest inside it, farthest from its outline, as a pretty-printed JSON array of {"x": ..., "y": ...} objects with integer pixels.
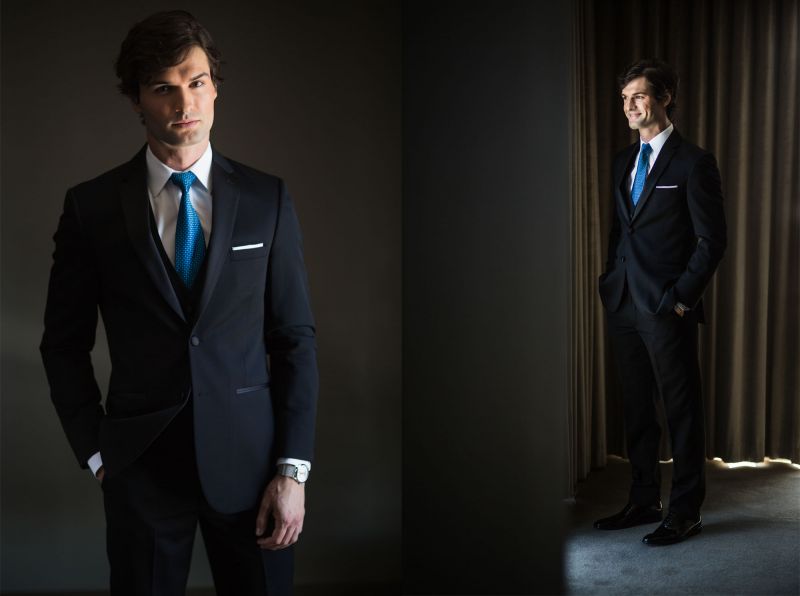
[{"x": 297, "y": 473}]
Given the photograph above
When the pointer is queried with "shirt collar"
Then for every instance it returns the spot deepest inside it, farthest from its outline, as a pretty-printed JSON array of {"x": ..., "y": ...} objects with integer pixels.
[
  {"x": 657, "y": 142},
  {"x": 158, "y": 173}
]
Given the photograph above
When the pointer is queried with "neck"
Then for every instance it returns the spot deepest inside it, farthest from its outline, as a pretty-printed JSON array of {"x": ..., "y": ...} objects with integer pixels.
[
  {"x": 649, "y": 133},
  {"x": 177, "y": 158}
]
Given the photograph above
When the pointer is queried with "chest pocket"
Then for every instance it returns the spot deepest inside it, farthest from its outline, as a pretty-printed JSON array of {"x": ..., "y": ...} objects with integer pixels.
[{"x": 242, "y": 252}]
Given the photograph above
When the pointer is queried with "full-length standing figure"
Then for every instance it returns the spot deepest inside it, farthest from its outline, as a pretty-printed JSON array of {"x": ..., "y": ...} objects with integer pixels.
[
  {"x": 667, "y": 237},
  {"x": 195, "y": 263}
]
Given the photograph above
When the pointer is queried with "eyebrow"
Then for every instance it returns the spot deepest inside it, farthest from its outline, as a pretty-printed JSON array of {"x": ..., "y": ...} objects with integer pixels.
[{"x": 194, "y": 78}]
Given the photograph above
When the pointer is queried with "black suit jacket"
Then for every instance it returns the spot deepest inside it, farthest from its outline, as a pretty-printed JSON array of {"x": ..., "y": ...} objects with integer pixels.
[
  {"x": 667, "y": 248},
  {"x": 247, "y": 355}
]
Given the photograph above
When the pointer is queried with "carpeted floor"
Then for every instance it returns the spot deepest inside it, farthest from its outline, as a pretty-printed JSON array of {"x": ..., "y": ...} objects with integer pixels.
[{"x": 750, "y": 543}]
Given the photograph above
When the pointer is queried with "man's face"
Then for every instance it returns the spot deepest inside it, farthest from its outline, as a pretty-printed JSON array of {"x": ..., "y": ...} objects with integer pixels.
[
  {"x": 642, "y": 109},
  {"x": 178, "y": 104}
]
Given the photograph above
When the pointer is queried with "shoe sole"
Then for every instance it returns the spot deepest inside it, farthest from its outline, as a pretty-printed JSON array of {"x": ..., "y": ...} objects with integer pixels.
[{"x": 696, "y": 530}]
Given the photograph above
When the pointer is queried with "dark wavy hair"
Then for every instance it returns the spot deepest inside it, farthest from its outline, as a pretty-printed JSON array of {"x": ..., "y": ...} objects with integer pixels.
[
  {"x": 661, "y": 78},
  {"x": 160, "y": 41}
]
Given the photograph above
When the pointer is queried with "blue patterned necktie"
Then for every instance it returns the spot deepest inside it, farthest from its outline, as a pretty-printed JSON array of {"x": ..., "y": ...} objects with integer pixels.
[
  {"x": 190, "y": 245},
  {"x": 641, "y": 172}
]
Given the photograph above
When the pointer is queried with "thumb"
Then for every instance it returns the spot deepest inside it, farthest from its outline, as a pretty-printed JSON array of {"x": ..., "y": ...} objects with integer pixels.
[{"x": 263, "y": 513}]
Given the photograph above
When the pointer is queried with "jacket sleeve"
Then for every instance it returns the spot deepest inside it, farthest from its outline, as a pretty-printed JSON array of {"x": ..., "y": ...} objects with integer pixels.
[
  {"x": 704, "y": 198},
  {"x": 290, "y": 338},
  {"x": 70, "y": 324}
]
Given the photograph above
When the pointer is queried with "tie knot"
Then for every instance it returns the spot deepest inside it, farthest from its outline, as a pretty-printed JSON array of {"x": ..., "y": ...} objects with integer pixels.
[
  {"x": 183, "y": 179},
  {"x": 646, "y": 150}
]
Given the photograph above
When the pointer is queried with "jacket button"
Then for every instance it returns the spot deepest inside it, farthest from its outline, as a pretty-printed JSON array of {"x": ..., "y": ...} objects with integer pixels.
[
  {"x": 621, "y": 259},
  {"x": 195, "y": 340}
]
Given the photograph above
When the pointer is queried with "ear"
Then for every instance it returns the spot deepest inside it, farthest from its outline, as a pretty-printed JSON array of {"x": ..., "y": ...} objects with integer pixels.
[
  {"x": 136, "y": 106},
  {"x": 667, "y": 99}
]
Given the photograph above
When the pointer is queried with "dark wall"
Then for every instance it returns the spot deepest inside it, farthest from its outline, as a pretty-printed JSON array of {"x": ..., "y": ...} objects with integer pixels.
[
  {"x": 486, "y": 112},
  {"x": 313, "y": 94}
]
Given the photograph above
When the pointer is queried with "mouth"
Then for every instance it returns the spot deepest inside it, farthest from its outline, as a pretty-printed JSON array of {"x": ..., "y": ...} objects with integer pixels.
[{"x": 185, "y": 123}]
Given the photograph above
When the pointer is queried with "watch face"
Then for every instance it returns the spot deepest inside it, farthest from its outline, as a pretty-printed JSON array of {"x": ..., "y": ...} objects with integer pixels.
[{"x": 302, "y": 473}]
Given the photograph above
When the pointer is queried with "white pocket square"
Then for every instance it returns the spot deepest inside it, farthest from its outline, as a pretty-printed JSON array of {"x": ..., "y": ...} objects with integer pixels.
[
  {"x": 673, "y": 186},
  {"x": 248, "y": 246}
]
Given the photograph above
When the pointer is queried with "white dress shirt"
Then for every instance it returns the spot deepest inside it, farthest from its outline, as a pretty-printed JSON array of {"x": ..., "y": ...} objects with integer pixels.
[
  {"x": 656, "y": 144},
  {"x": 165, "y": 200},
  {"x": 165, "y": 197}
]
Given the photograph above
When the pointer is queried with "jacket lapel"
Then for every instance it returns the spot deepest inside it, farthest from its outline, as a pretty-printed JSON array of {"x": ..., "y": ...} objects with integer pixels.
[
  {"x": 225, "y": 201},
  {"x": 622, "y": 181},
  {"x": 136, "y": 208},
  {"x": 664, "y": 157}
]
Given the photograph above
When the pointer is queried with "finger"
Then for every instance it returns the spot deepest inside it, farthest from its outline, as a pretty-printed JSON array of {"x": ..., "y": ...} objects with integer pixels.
[
  {"x": 261, "y": 518},
  {"x": 279, "y": 540},
  {"x": 298, "y": 531},
  {"x": 289, "y": 537},
  {"x": 269, "y": 544},
  {"x": 280, "y": 531},
  {"x": 266, "y": 543}
]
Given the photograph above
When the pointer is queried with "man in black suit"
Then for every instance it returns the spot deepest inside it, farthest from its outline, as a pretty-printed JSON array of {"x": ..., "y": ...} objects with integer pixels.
[
  {"x": 195, "y": 263},
  {"x": 668, "y": 235}
]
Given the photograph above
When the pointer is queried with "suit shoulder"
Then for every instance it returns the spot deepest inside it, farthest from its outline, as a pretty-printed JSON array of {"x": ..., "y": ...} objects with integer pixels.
[
  {"x": 621, "y": 161},
  {"x": 253, "y": 177},
  {"x": 691, "y": 152},
  {"x": 93, "y": 195},
  {"x": 101, "y": 182},
  {"x": 626, "y": 151}
]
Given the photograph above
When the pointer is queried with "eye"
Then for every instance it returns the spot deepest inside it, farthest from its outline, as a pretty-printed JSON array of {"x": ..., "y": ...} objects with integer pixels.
[
  {"x": 161, "y": 90},
  {"x": 197, "y": 83}
]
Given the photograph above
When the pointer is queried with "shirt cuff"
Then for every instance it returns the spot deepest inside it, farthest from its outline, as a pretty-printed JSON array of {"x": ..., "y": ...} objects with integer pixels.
[
  {"x": 294, "y": 462},
  {"x": 95, "y": 462}
]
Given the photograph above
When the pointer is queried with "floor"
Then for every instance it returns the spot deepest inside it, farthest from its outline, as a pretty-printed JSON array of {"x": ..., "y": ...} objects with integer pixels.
[{"x": 750, "y": 543}]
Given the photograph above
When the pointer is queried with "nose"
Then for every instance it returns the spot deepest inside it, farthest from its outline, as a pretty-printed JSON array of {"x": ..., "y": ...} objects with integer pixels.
[
  {"x": 183, "y": 101},
  {"x": 630, "y": 103}
]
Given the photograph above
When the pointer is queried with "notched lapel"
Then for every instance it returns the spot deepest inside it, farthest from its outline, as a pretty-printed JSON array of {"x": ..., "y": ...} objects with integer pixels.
[
  {"x": 136, "y": 207},
  {"x": 620, "y": 191},
  {"x": 225, "y": 202},
  {"x": 664, "y": 157}
]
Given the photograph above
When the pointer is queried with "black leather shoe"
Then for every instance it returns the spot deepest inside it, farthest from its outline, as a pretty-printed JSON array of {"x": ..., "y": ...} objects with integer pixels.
[
  {"x": 674, "y": 528},
  {"x": 631, "y": 515}
]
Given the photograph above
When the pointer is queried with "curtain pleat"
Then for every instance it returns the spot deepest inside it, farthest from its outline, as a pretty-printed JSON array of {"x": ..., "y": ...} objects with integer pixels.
[{"x": 739, "y": 98}]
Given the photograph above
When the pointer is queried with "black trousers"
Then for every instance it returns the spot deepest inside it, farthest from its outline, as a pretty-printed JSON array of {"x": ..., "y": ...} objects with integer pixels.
[
  {"x": 657, "y": 355},
  {"x": 153, "y": 509}
]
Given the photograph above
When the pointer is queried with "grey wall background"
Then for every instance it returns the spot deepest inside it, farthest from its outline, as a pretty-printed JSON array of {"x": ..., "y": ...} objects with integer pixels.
[
  {"x": 486, "y": 117},
  {"x": 312, "y": 93}
]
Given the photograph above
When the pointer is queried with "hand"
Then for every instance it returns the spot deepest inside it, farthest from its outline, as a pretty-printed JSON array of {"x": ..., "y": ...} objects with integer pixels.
[
  {"x": 284, "y": 498},
  {"x": 101, "y": 473},
  {"x": 679, "y": 311}
]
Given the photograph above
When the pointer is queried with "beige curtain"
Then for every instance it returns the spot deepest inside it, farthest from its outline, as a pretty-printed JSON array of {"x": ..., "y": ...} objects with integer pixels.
[{"x": 739, "y": 97}]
